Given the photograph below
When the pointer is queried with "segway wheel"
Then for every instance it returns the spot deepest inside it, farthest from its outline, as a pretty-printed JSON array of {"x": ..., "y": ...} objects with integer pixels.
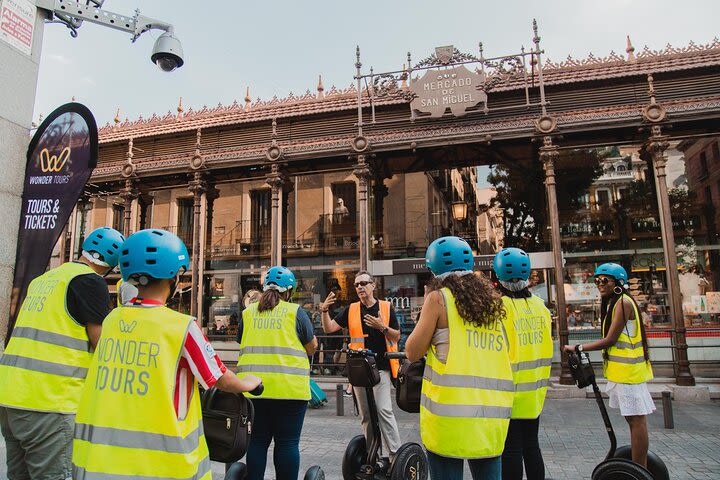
[
  {"x": 237, "y": 471},
  {"x": 654, "y": 464},
  {"x": 620, "y": 469},
  {"x": 354, "y": 458},
  {"x": 410, "y": 463},
  {"x": 314, "y": 473}
]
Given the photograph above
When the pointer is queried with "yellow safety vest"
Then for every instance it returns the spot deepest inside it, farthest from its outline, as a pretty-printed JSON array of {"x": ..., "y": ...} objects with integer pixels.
[
  {"x": 126, "y": 425},
  {"x": 357, "y": 337},
  {"x": 466, "y": 402},
  {"x": 527, "y": 324},
  {"x": 46, "y": 361},
  {"x": 271, "y": 349},
  {"x": 625, "y": 362}
]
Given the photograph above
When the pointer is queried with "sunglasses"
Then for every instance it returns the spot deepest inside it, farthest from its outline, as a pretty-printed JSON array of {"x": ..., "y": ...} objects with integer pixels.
[
  {"x": 362, "y": 283},
  {"x": 602, "y": 281}
]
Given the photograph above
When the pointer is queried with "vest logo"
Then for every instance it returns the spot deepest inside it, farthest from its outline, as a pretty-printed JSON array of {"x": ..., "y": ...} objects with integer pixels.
[
  {"x": 127, "y": 327},
  {"x": 51, "y": 163}
]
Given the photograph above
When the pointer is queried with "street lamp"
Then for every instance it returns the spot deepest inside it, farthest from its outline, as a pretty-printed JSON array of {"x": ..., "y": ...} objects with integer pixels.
[
  {"x": 167, "y": 53},
  {"x": 459, "y": 210}
]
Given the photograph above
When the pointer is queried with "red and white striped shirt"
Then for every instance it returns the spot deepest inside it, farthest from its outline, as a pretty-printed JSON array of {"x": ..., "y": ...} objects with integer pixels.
[{"x": 198, "y": 359}]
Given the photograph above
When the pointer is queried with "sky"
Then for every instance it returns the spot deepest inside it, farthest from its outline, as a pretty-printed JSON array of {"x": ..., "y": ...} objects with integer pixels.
[{"x": 276, "y": 47}]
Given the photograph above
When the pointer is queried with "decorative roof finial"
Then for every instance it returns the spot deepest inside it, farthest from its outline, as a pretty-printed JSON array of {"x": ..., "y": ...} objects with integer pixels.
[
  {"x": 536, "y": 37},
  {"x": 180, "y": 109},
  {"x": 320, "y": 88},
  {"x": 73, "y": 98},
  {"x": 404, "y": 76},
  {"x": 129, "y": 168},
  {"x": 129, "y": 155},
  {"x": 651, "y": 88},
  {"x": 197, "y": 161},
  {"x": 248, "y": 99},
  {"x": 117, "y": 117},
  {"x": 630, "y": 50}
]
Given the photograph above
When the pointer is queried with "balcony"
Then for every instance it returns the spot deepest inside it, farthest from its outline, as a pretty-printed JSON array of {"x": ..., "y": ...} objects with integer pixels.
[
  {"x": 185, "y": 234},
  {"x": 241, "y": 241}
]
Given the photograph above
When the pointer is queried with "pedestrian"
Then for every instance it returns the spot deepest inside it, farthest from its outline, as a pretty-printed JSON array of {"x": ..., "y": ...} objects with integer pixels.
[
  {"x": 46, "y": 361},
  {"x": 139, "y": 414},
  {"x": 626, "y": 363},
  {"x": 467, "y": 389},
  {"x": 373, "y": 326},
  {"x": 276, "y": 337},
  {"x": 527, "y": 319}
]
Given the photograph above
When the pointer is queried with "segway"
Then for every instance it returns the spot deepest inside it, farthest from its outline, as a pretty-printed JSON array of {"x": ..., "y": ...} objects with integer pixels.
[
  {"x": 618, "y": 464},
  {"x": 363, "y": 463},
  {"x": 238, "y": 470}
]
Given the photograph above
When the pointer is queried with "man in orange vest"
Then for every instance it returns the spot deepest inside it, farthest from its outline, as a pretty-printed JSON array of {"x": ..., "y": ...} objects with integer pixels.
[{"x": 373, "y": 326}]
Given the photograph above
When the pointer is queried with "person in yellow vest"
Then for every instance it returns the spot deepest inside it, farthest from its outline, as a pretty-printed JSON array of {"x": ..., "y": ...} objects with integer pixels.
[
  {"x": 276, "y": 337},
  {"x": 527, "y": 320},
  {"x": 46, "y": 361},
  {"x": 626, "y": 362},
  {"x": 139, "y": 414},
  {"x": 467, "y": 389},
  {"x": 373, "y": 325}
]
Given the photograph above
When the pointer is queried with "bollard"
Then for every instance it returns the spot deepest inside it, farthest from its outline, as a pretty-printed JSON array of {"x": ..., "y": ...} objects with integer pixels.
[
  {"x": 339, "y": 400},
  {"x": 667, "y": 410}
]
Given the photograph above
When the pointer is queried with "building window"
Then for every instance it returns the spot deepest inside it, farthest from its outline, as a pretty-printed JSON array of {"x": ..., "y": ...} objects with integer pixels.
[
  {"x": 703, "y": 165},
  {"x": 344, "y": 202},
  {"x": 716, "y": 152},
  {"x": 602, "y": 198},
  {"x": 186, "y": 221},
  {"x": 118, "y": 218},
  {"x": 708, "y": 195},
  {"x": 260, "y": 216},
  {"x": 623, "y": 192}
]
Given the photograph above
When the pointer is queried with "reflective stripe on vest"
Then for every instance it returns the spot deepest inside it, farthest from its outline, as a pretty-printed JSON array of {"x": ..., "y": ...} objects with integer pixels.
[
  {"x": 271, "y": 349},
  {"x": 357, "y": 337},
  {"x": 471, "y": 395},
  {"x": 527, "y": 322},
  {"x": 126, "y": 424},
  {"x": 625, "y": 362},
  {"x": 47, "y": 358}
]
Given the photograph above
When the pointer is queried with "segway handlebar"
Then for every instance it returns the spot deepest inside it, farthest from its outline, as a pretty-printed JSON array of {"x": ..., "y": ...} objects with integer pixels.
[
  {"x": 258, "y": 390},
  {"x": 395, "y": 355},
  {"x": 359, "y": 353}
]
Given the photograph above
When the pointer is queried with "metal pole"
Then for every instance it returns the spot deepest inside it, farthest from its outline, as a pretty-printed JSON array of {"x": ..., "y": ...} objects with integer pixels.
[
  {"x": 339, "y": 400},
  {"x": 198, "y": 187},
  {"x": 667, "y": 410},
  {"x": 362, "y": 172},
  {"x": 656, "y": 146},
  {"x": 548, "y": 155}
]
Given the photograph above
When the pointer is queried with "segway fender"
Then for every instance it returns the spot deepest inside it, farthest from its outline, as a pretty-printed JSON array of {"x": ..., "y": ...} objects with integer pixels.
[
  {"x": 410, "y": 463},
  {"x": 620, "y": 469},
  {"x": 237, "y": 471},
  {"x": 314, "y": 473},
  {"x": 354, "y": 458},
  {"x": 654, "y": 464}
]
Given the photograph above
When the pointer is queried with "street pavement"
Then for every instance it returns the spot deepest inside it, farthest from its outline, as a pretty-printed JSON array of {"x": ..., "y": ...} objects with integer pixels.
[{"x": 572, "y": 438}]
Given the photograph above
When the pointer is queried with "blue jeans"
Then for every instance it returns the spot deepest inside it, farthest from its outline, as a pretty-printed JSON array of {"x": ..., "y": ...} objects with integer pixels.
[
  {"x": 281, "y": 420},
  {"x": 445, "y": 468}
]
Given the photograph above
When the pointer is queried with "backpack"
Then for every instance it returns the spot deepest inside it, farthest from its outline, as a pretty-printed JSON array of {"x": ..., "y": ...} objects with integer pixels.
[
  {"x": 227, "y": 421},
  {"x": 409, "y": 385}
]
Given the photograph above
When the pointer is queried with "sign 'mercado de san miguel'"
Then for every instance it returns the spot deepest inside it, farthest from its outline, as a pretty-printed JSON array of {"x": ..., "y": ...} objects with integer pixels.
[{"x": 455, "y": 88}]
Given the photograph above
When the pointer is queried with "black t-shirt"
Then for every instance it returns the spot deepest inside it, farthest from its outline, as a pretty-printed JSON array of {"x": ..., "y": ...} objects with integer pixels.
[
  {"x": 87, "y": 299},
  {"x": 375, "y": 339}
]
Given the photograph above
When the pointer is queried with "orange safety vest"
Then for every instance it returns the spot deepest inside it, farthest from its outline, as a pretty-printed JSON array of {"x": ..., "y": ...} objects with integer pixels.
[{"x": 357, "y": 337}]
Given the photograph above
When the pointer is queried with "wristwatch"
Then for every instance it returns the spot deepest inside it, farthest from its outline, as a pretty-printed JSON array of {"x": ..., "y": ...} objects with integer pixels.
[{"x": 385, "y": 330}]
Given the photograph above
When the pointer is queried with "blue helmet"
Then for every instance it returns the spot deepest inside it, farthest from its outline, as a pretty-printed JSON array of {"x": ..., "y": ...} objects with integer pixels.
[
  {"x": 613, "y": 270},
  {"x": 512, "y": 263},
  {"x": 155, "y": 253},
  {"x": 449, "y": 254},
  {"x": 104, "y": 244},
  {"x": 281, "y": 277}
]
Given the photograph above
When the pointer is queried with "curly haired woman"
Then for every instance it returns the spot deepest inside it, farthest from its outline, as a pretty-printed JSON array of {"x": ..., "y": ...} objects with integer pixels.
[{"x": 468, "y": 390}]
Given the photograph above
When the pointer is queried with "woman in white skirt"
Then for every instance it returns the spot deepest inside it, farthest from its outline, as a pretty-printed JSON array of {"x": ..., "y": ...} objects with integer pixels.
[{"x": 626, "y": 363}]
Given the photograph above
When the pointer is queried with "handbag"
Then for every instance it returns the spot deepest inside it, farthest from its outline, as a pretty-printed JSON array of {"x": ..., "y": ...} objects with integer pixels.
[
  {"x": 227, "y": 421},
  {"x": 409, "y": 385},
  {"x": 581, "y": 369}
]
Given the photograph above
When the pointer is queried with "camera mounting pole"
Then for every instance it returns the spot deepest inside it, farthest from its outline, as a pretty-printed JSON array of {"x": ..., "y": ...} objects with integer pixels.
[{"x": 73, "y": 13}]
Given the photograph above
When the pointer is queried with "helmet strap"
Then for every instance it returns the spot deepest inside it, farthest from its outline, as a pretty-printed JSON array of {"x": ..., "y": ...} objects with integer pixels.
[
  {"x": 459, "y": 273},
  {"x": 94, "y": 258}
]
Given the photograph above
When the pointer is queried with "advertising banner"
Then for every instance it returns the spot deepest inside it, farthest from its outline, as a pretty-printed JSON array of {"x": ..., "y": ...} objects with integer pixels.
[{"x": 60, "y": 160}]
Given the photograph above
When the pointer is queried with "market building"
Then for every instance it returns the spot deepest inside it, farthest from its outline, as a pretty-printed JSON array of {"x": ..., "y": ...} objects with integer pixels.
[{"x": 578, "y": 162}]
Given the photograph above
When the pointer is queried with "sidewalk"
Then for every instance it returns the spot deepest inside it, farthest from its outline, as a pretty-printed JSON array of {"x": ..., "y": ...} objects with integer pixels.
[{"x": 572, "y": 438}]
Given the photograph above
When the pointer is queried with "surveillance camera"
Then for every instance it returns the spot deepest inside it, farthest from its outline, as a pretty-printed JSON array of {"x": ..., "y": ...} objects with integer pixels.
[{"x": 167, "y": 52}]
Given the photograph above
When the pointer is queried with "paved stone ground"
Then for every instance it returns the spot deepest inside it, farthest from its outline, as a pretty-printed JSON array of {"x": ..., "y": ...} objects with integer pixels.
[{"x": 572, "y": 439}]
